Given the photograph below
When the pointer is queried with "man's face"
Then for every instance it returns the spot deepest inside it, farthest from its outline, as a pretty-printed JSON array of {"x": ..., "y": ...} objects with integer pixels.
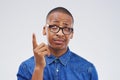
[{"x": 58, "y": 40}]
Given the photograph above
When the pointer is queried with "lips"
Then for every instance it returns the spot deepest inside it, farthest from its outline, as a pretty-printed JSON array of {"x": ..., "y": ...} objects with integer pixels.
[{"x": 58, "y": 41}]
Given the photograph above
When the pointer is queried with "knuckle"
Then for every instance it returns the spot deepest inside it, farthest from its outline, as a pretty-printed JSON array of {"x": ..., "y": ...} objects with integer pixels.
[{"x": 43, "y": 43}]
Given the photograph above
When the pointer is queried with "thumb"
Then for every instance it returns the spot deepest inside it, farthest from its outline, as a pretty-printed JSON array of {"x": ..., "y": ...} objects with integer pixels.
[{"x": 34, "y": 42}]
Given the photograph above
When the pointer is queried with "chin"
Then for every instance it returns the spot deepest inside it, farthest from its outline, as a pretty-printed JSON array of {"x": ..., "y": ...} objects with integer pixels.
[{"x": 58, "y": 47}]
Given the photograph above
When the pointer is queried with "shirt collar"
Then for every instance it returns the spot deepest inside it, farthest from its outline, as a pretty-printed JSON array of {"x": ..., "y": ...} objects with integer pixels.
[{"x": 63, "y": 59}]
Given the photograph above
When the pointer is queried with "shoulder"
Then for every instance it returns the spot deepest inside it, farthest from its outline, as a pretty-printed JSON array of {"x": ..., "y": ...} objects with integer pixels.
[
  {"x": 78, "y": 60},
  {"x": 29, "y": 61},
  {"x": 82, "y": 65},
  {"x": 28, "y": 64},
  {"x": 26, "y": 69}
]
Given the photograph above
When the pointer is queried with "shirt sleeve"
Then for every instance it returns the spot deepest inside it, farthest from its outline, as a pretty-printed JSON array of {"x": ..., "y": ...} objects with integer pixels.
[
  {"x": 93, "y": 73},
  {"x": 23, "y": 72}
]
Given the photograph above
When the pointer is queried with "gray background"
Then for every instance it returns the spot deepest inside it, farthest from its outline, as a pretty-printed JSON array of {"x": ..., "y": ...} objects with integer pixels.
[{"x": 96, "y": 37}]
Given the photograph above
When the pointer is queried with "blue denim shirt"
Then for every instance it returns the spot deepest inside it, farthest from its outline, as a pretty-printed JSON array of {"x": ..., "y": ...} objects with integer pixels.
[{"x": 67, "y": 67}]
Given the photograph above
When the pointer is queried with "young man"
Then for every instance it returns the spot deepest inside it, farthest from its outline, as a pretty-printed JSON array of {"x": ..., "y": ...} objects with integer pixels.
[{"x": 55, "y": 61}]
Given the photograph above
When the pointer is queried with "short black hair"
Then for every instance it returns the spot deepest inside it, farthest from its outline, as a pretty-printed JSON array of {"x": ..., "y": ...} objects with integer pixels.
[{"x": 60, "y": 9}]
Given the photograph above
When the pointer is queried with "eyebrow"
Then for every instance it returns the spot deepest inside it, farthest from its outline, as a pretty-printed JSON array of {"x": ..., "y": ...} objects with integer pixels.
[
  {"x": 65, "y": 24},
  {"x": 55, "y": 21}
]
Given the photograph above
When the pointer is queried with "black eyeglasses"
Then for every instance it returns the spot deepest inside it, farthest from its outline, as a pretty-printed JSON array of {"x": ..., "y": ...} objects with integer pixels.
[{"x": 56, "y": 29}]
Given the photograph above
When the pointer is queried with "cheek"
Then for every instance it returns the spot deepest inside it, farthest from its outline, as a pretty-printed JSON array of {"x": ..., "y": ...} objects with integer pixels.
[
  {"x": 67, "y": 39},
  {"x": 49, "y": 37}
]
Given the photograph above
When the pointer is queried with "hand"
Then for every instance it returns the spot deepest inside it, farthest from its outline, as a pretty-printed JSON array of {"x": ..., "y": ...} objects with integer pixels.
[{"x": 40, "y": 51}]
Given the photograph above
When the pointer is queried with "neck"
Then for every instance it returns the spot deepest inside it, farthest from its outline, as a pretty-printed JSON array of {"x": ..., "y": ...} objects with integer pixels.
[{"x": 57, "y": 52}]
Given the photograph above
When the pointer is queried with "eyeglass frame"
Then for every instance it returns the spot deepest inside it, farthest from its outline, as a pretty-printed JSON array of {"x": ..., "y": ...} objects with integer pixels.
[{"x": 59, "y": 28}]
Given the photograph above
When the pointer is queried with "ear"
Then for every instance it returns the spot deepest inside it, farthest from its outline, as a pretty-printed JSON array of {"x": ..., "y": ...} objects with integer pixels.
[{"x": 44, "y": 30}]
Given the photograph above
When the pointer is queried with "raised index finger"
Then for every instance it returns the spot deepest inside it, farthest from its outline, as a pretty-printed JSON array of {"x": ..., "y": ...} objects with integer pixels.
[{"x": 34, "y": 41}]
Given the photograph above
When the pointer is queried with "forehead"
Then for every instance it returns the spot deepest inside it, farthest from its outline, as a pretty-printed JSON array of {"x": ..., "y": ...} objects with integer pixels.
[{"x": 59, "y": 17}]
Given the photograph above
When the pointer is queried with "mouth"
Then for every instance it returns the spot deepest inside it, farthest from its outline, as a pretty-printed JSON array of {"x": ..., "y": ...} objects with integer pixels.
[{"x": 58, "y": 41}]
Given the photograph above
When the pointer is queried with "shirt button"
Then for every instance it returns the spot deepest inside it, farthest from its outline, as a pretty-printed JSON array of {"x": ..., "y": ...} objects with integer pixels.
[{"x": 57, "y": 70}]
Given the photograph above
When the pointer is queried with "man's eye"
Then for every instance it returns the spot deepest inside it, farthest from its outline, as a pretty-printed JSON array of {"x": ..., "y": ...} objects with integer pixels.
[
  {"x": 54, "y": 27},
  {"x": 67, "y": 29}
]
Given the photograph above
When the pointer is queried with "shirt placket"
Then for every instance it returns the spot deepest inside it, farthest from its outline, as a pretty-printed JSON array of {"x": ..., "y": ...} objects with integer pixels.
[{"x": 57, "y": 64}]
